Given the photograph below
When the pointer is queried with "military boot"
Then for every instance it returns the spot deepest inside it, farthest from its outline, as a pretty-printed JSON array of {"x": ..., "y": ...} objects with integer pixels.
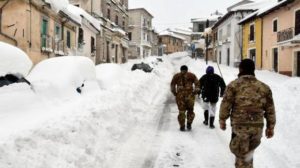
[
  {"x": 205, "y": 122},
  {"x": 211, "y": 122},
  {"x": 189, "y": 126},
  {"x": 182, "y": 128}
]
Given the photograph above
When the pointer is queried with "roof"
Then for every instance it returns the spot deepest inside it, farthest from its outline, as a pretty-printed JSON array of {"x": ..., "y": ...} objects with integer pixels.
[
  {"x": 169, "y": 33},
  {"x": 213, "y": 17},
  {"x": 242, "y": 2},
  {"x": 141, "y": 9},
  {"x": 181, "y": 31},
  {"x": 268, "y": 7}
]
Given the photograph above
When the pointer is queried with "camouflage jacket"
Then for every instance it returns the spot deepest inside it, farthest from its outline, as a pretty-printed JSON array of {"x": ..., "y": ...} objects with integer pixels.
[
  {"x": 185, "y": 83},
  {"x": 247, "y": 101}
]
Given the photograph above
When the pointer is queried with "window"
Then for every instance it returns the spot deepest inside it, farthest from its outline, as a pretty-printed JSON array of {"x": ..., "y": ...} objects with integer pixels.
[
  {"x": 252, "y": 53},
  {"x": 221, "y": 34},
  {"x": 68, "y": 39},
  {"x": 123, "y": 25},
  {"x": 160, "y": 40},
  {"x": 275, "y": 22},
  {"x": 275, "y": 59},
  {"x": 252, "y": 33},
  {"x": 44, "y": 31},
  {"x": 80, "y": 37},
  {"x": 130, "y": 36},
  {"x": 200, "y": 28},
  {"x": 117, "y": 20},
  {"x": 297, "y": 22},
  {"x": 57, "y": 32},
  {"x": 93, "y": 47},
  {"x": 229, "y": 30},
  {"x": 108, "y": 14}
]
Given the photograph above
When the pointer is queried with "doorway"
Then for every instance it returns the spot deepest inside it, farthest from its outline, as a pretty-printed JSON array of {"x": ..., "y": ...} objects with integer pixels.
[
  {"x": 298, "y": 64},
  {"x": 275, "y": 59}
]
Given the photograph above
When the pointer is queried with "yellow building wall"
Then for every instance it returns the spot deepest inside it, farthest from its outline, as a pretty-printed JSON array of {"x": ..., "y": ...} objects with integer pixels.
[{"x": 256, "y": 44}]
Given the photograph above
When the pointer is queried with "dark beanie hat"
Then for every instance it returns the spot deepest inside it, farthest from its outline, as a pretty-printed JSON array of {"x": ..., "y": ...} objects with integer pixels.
[
  {"x": 247, "y": 66},
  {"x": 183, "y": 68},
  {"x": 210, "y": 70}
]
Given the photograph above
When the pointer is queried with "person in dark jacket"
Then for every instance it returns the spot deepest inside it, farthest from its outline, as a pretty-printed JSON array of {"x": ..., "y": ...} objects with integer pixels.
[{"x": 210, "y": 85}]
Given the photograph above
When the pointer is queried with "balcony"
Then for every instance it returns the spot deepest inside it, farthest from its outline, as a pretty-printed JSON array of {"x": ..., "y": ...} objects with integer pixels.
[
  {"x": 59, "y": 47},
  {"x": 47, "y": 43},
  {"x": 285, "y": 35}
]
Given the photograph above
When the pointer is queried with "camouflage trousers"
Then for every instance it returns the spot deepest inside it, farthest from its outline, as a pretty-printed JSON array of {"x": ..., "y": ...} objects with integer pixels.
[
  {"x": 244, "y": 141},
  {"x": 185, "y": 103}
]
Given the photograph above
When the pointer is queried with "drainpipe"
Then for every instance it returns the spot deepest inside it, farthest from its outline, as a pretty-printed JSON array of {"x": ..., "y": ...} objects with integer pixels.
[
  {"x": 262, "y": 33},
  {"x": 30, "y": 22},
  {"x": 2, "y": 33}
]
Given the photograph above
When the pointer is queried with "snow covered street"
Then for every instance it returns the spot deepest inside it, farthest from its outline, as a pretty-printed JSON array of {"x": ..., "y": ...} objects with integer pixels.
[{"x": 130, "y": 121}]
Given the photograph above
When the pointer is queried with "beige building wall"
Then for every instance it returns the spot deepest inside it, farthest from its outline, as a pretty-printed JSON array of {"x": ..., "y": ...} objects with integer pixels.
[
  {"x": 22, "y": 21},
  {"x": 172, "y": 44},
  {"x": 285, "y": 17},
  {"x": 140, "y": 29}
]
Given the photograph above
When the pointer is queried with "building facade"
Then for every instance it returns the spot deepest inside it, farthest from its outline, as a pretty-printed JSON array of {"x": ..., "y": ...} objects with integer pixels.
[
  {"x": 281, "y": 45},
  {"x": 37, "y": 29},
  {"x": 140, "y": 33},
  {"x": 197, "y": 37},
  {"x": 170, "y": 43},
  {"x": 112, "y": 42},
  {"x": 252, "y": 40}
]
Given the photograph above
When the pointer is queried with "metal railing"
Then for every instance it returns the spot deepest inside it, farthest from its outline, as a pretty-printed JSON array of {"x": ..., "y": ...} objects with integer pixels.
[
  {"x": 59, "y": 47},
  {"x": 47, "y": 43},
  {"x": 286, "y": 34}
]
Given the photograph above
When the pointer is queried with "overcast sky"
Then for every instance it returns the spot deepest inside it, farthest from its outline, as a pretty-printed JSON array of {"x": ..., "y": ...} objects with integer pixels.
[{"x": 178, "y": 13}]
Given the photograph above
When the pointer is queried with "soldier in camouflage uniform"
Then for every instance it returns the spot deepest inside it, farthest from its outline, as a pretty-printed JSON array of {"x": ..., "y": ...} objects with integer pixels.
[
  {"x": 185, "y": 86},
  {"x": 247, "y": 101}
]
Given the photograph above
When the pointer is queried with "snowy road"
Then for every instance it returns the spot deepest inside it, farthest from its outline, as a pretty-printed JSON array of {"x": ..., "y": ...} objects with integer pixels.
[{"x": 132, "y": 123}]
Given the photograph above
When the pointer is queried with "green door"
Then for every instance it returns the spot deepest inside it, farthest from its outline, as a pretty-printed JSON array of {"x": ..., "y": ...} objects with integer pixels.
[{"x": 44, "y": 32}]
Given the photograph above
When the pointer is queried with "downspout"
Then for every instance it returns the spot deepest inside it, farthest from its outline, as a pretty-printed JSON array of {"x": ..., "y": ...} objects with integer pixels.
[
  {"x": 30, "y": 22},
  {"x": 262, "y": 33},
  {"x": 5, "y": 35}
]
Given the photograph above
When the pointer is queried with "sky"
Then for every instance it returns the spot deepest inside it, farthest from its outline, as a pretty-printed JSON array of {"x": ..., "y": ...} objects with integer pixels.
[{"x": 178, "y": 13}]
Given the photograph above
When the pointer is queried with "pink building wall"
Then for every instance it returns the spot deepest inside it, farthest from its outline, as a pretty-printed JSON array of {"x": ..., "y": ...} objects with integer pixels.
[{"x": 286, "y": 19}]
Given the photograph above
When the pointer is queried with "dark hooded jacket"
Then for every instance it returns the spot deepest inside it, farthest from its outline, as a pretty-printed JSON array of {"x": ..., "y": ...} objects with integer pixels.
[{"x": 210, "y": 85}]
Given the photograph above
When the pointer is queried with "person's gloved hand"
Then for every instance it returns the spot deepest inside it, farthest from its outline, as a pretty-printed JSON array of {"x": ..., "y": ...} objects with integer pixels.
[
  {"x": 269, "y": 132},
  {"x": 222, "y": 125}
]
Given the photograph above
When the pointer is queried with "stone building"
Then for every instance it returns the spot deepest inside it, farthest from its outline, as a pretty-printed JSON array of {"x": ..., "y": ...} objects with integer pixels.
[
  {"x": 37, "y": 28},
  {"x": 170, "y": 42},
  {"x": 140, "y": 33},
  {"x": 112, "y": 43}
]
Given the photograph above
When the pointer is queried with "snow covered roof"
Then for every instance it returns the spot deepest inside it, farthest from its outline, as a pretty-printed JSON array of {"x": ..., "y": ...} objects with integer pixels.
[
  {"x": 13, "y": 60},
  {"x": 169, "y": 33},
  {"x": 263, "y": 7},
  {"x": 58, "y": 5},
  {"x": 78, "y": 14},
  {"x": 181, "y": 31},
  {"x": 254, "y": 5},
  {"x": 64, "y": 71},
  {"x": 213, "y": 17}
]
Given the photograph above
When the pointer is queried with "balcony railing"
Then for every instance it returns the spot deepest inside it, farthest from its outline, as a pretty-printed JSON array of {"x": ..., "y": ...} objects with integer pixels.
[
  {"x": 59, "y": 47},
  {"x": 47, "y": 43},
  {"x": 285, "y": 35}
]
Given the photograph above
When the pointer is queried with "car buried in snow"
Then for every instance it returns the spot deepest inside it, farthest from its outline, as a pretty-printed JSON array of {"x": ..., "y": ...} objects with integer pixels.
[
  {"x": 142, "y": 66},
  {"x": 14, "y": 65},
  {"x": 64, "y": 76}
]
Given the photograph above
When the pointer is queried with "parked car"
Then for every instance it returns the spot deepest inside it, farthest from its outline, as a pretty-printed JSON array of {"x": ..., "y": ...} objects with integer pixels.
[
  {"x": 142, "y": 66},
  {"x": 14, "y": 65},
  {"x": 64, "y": 76}
]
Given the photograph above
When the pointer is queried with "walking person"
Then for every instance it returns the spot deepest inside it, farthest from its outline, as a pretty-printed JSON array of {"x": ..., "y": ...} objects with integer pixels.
[
  {"x": 211, "y": 87},
  {"x": 184, "y": 87},
  {"x": 247, "y": 101}
]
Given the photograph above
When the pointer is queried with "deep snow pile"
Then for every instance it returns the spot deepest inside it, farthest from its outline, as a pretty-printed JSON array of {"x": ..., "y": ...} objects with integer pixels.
[
  {"x": 88, "y": 131},
  {"x": 116, "y": 125},
  {"x": 13, "y": 60}
]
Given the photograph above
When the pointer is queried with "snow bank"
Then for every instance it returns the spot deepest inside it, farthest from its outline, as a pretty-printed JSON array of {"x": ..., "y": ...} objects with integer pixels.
[
  {"x": 78, "y": 14},
  {"x": 62, "y": 75},
  {"x": 13, "y": 60},
  {"x": 58, "y": 5}
]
